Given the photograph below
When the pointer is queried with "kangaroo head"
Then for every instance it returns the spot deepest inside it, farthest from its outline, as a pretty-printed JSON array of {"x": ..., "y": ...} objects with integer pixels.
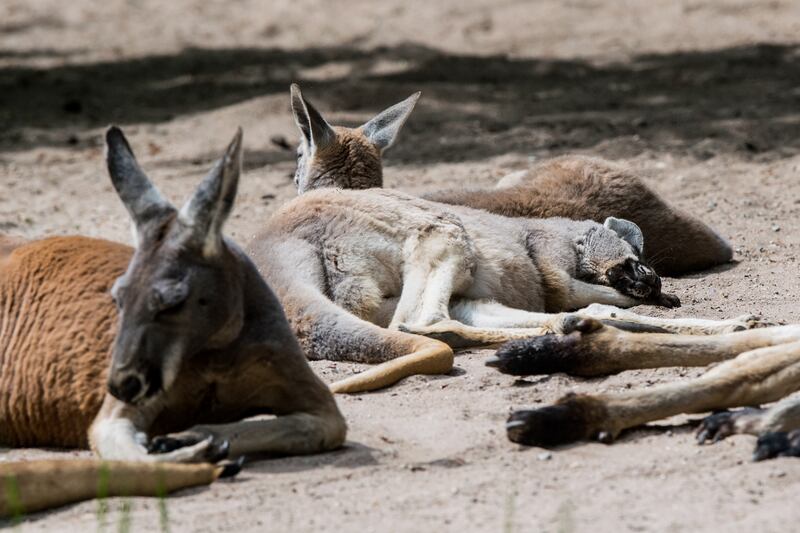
[
  {"x": 611, "y": 254},
  {"x": 182, "y": 292},
  {"x": 347, "y": 158}
]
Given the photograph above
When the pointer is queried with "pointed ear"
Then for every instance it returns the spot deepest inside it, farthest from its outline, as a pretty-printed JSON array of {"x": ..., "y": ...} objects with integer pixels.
[
  {"x": 313, "y": 127},
  {"x": 627, "y": 231},
  {"x": 382, "y": 129},
  {"x": 206, "y": 211},
  {"x": 140, "y": 197}
]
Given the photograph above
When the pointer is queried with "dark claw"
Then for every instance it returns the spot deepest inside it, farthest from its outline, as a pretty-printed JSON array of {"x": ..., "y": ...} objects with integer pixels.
[
  {"x": 669, "y": 301},
  {"x": 165, "y": 444},
  {"x": 715, "y": 427},
  {"x": 605, "y": 437},
  {"x": 219, "y": 451},
  {"x": 494, "y": 362},
  {"x": 232, "y": 468}
]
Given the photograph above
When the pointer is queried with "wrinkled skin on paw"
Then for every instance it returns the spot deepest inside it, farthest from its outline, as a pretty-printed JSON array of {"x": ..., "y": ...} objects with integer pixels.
[
  {"x": 571, "y": 419},
  {"x": 638, "y": 280},
  {"x": 777, "y": 444},
  {"x": 721, "y": 425},
  {"x": 215, "y": 450}
]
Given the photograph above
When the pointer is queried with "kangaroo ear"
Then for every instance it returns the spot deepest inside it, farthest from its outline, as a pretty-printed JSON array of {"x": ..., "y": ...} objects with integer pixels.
[
  {"x": 140, "y": 197},
  {"x": 208, "y": 208},
  {"x": 627, "y": 231},
  {"x": 382, "y": 129},
  {"x": 313, "y": 127}
]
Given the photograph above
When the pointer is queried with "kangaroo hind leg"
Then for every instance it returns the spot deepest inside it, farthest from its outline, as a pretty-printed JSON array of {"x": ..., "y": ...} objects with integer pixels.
[{"x": 757, "y": 376}]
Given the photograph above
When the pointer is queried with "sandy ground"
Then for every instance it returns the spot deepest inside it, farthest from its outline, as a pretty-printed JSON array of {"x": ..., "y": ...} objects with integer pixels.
[{"x": 701, "y": 96}]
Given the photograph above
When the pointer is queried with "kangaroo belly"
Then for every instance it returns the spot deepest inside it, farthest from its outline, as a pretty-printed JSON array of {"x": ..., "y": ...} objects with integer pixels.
[{"x": 57, "y": 325}]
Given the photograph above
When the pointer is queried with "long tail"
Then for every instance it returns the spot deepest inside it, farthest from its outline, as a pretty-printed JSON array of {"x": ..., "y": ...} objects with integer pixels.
[
  {"x": 326, "y": 331},
  {"x": 31, "y": 486}
]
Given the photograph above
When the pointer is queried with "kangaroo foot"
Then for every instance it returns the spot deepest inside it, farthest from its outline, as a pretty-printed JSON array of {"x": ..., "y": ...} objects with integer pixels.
[
  {"x": 571, "y": 352},
  {"x": 723, "y": 424},
  {"x": 572, "y": 418},
  {"x": 777, "y": 444}
]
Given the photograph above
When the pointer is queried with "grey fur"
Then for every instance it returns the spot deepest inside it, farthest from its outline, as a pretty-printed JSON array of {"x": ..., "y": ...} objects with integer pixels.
[
  {"x": 209, "y": 207},
  {"x": 628, "y": 231},
  {"x": 195, "y": 325},
  {"x": 363, "y": 247},
  {"x": 383, "y": 128},
  {"x": 140, "y": 197}
]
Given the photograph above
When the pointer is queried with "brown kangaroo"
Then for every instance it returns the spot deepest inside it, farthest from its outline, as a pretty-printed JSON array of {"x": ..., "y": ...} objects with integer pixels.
[
  {"x": 575, "y": 187},
  {"x": 197, "y": 337}
]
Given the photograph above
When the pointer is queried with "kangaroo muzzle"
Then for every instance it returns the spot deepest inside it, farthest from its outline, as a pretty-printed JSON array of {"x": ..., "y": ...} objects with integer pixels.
[{"x": 635, "y": 279}]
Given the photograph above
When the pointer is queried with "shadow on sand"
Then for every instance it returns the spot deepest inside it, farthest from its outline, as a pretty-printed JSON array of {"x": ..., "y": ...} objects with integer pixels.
[{"x": 741, "y": 100}]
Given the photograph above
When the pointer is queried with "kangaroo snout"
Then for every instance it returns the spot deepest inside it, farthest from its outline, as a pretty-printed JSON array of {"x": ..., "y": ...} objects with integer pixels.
[
  {"x": 635, "y": 279},
  {"x": 134, "y": 385},
  {"x": 128, "y": 387}
]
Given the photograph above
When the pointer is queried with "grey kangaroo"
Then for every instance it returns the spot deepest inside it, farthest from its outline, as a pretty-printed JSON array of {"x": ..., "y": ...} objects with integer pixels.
[{"x": 574, "y": 187}]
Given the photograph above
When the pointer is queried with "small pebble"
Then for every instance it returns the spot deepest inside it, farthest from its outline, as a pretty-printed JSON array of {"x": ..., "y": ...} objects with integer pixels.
[{"x": 544, "y": 456}]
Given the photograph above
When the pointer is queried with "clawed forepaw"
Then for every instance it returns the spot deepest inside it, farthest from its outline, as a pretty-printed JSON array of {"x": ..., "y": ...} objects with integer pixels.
[{"x": 190, "y": 447}]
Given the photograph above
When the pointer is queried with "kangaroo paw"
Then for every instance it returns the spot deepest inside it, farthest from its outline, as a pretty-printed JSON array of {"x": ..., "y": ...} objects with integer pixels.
[
  {"x": 777, "y": 444},
  {"x": 571, "y": 419}
]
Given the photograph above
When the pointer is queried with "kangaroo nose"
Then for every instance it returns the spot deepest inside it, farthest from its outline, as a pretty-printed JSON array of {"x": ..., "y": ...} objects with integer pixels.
[{"x": 128, "y": 389}]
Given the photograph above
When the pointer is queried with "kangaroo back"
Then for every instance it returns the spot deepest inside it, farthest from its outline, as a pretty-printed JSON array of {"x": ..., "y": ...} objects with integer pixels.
[
  {"x": 57, "y": 323},
  {"x": 587, "y": 188},
  {"x": 326, "y": 331}
]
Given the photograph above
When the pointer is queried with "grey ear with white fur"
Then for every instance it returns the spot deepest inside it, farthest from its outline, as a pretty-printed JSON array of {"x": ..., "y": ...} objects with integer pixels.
[
  {"x": 627, "y": 231},
  {"x": 140, "y": 197},
  {"x": 314, "y": 128},
  {"x": 208, "y": 208},
  {"x": 383, "y": 128}
]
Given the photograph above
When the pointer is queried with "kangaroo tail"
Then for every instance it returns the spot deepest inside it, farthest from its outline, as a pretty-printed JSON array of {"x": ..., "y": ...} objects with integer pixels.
[
  {"x": 326, "y": 331},
  {"x": 31, "y": 486}
]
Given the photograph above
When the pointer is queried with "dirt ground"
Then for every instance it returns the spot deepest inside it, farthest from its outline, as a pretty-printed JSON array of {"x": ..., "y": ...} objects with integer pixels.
[{"x": 702, "y": 96}]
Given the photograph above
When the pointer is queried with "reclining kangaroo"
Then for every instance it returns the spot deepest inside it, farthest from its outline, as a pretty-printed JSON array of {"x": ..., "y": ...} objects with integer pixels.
[
  {"x": 348, "y": 264},
  {"x": 200, "y": 339},
  {"x": 575, "y": 187}
]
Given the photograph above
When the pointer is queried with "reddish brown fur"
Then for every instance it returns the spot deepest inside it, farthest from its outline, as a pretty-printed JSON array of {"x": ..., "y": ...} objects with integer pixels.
[
  {"x": 57, "y": 324},
  {"x": 589, "y": 188},
  {"x": 351, "y": 162}
]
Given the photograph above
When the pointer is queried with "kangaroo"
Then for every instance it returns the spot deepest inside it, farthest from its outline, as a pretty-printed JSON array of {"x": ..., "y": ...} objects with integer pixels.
[
  {"x": 575, "y": 187},
  {"x": 757, "y": 366},
  {"x": 190, "y": 334},
  {"x": 363, "y": 273}
]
